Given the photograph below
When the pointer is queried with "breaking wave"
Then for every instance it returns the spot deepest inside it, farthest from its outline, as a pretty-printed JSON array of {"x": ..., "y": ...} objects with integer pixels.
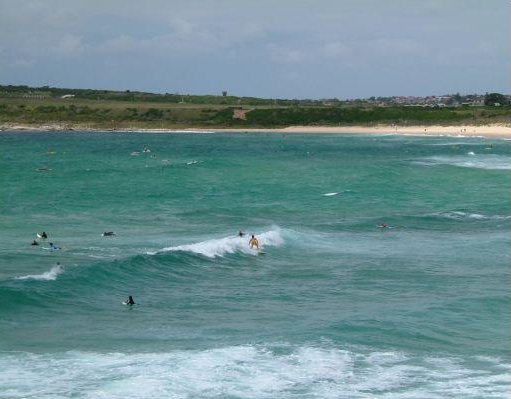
[
  {"x": 227, "y": 245},
  {"x": 49, "y": 275},
  {"x": 252, "y": 372}
]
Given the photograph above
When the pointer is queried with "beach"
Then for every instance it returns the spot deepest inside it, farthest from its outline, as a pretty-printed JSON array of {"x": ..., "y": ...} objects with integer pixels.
[{"x": 493, "y": 130}]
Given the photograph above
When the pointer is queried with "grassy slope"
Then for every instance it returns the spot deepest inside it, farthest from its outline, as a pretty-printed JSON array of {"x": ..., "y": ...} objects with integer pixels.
[{"x": 104, "y": 109}]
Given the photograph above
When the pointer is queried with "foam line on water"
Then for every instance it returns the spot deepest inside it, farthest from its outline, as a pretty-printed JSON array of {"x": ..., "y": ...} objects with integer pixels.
[
  {"x": 228, "y": 245},
  {"x": 48, "y": 276},
  {"x": 252, "y": 372},
  {"x": 460, "y": 215},
  {"x": 490, "y": 162}
]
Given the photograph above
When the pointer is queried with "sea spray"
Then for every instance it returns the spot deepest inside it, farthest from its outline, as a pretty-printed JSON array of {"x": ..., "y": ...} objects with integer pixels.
[{"x": 50, "y": 275}]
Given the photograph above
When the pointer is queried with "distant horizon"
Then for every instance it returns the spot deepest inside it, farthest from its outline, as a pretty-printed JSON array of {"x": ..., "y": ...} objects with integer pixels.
[
  {"x": 251, "y": 96},
  {"x": 265, "y": 49}
]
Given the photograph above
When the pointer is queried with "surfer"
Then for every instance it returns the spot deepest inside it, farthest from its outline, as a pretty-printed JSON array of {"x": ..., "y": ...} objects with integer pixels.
[
  {"x": 34, "y": 243},
  {"x": 108, "y": 234},
  {"x": 129, "y": 301},
  {"x": 240, "y": 234},
  {"x": 253, "y": 242},
  {"x": 382, "y": 226},
  {"x": 54, "y": 247},
  {"x": 42, "y": 235}
]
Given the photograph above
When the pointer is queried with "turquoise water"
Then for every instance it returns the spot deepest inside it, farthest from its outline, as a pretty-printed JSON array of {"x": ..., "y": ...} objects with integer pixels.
[{"x": 336, "y": 307}]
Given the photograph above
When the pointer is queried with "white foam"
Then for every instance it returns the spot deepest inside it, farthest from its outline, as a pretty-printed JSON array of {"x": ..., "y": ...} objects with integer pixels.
[
  {"x": 490, "y": 162},
  {"x": 49, "y": 275},
  {"x": 228, "y": 245},
  {"x": 459, "y": 215},
  {"x": 250, "y": 372},
  {"x": 329, "y": 194},
  {"x": 471, "y": 153}
]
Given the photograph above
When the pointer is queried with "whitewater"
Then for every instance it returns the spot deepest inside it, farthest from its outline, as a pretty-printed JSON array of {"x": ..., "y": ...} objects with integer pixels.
[{"x": 383, "y": 269}]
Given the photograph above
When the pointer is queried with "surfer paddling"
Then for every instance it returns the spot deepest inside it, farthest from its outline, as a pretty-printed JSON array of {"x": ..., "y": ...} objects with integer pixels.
[
  {"x": 253, "y": 242},
  {"x": 129, "y": 301}
]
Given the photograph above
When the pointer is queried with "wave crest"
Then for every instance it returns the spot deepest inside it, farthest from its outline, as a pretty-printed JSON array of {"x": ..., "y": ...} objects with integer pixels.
[
  {"x": 48, "y": 276},
  {"x": 227, "y": 245}
]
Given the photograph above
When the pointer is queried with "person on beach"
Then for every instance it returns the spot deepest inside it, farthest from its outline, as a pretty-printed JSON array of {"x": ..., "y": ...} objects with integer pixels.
[{"x": 253, "y": 242}]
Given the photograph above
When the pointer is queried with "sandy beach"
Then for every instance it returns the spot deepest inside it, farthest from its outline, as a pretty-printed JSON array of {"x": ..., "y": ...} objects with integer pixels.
[{"x": 492, "y": 131}]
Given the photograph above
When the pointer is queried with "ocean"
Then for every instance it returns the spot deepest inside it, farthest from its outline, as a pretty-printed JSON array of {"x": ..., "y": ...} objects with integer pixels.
[{"x": 333, "y": 305}]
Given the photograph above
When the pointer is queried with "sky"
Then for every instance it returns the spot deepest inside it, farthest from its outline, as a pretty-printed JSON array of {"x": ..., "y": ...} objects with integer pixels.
[{"x": 261, "y": 48}]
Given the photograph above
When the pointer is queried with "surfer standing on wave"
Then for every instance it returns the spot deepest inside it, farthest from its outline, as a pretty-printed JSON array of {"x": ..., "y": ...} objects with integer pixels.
[{"x": 253, "y": 242}]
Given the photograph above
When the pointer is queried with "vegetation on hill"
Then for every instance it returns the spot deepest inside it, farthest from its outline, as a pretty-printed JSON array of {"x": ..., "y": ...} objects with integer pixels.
[{"x": 112, "y": 110}]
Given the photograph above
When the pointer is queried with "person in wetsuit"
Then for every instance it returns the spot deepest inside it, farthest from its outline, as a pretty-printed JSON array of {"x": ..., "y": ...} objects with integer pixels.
[{"x": 130, "y": 301}]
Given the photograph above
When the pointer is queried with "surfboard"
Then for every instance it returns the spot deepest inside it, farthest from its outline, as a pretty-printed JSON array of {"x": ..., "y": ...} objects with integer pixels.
[{"x": 52, "y": 248}]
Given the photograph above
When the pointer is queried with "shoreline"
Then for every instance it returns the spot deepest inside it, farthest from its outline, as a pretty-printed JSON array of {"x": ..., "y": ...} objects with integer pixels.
[{"x": 489, "y": 131}]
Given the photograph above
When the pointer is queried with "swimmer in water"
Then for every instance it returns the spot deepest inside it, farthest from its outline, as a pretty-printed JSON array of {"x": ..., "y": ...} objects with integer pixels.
[
  {"x": 34, "y": 243},
  {"x": 240, "y": 234},
  {"x": 253, "y": 242}
]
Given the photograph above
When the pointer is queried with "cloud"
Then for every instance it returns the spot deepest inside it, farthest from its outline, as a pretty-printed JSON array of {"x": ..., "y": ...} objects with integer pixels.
[
  {"x": 21, "y": 63},
  {"x": 332, "y": 45},
  {"x": 283, "y": 55},
  {"x": 69, "y": 45},
  {"x": 335, "y": 50}
]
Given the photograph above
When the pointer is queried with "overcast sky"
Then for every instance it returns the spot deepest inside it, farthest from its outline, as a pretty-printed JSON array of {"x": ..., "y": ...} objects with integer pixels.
[{"x": 263, "y": 48}]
